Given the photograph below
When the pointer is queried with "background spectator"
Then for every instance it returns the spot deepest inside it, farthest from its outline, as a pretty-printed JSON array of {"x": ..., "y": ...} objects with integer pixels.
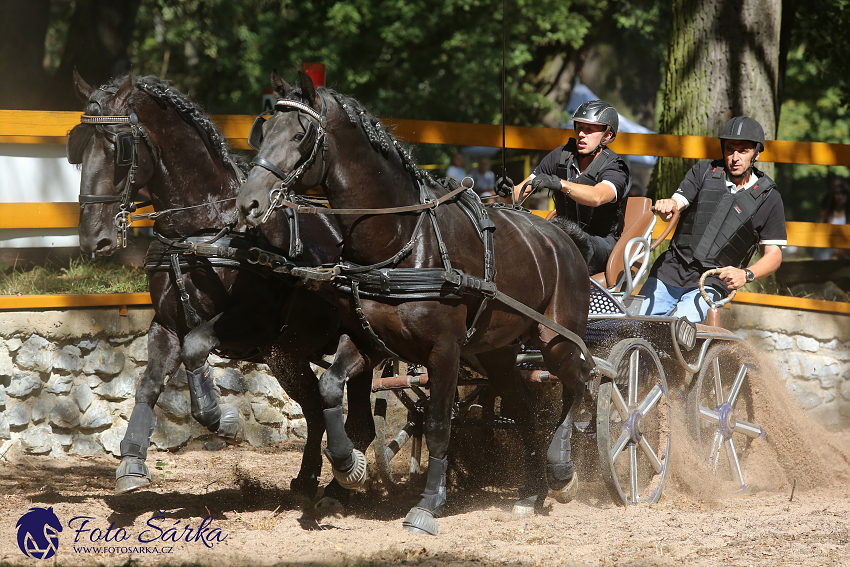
[
  {"x": 485, "y": 180},
  {"x": 835, "y": 210},
  {"x": 456, "y": 170}
]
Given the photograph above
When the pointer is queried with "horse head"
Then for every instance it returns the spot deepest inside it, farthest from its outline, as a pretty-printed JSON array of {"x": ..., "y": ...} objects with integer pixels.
[
  {"x": 117, "y": 158},
  {"x": 292, "y": 146}
]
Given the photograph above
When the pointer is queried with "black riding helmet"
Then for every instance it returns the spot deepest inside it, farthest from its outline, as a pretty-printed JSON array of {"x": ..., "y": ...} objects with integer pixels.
[
  {"x": 743, "y": 128},
  {"x": 599, "y": 112}
]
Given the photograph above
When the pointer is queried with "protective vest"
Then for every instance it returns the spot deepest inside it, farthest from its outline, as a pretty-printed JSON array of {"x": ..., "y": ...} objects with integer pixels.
[
  {"x": 604, "y": 220},
  {"x": 717, "y": 230}
]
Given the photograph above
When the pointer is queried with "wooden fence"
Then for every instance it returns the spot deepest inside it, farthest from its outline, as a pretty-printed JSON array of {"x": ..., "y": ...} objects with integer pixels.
[{"x": 34, "y": 127}]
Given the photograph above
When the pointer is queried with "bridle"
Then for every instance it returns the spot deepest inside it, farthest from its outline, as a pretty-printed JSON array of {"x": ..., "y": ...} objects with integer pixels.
[
  {"x": 125, "y": 142},
  {"x": 317, "y": 130}
]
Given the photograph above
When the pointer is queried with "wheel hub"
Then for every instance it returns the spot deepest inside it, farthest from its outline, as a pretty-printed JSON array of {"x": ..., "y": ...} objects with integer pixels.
[
  {"x": 633, "y": 426},
  {"x": 727, "y": 420}
]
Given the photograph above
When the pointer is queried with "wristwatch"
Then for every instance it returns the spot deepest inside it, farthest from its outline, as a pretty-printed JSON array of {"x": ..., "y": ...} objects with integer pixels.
[{"x": 750, "y": 275}]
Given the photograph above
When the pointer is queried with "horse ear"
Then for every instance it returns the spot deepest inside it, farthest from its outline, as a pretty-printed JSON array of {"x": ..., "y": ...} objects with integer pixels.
[
  {"x": 280, "y": 87},
  {"x": 124, "y": 91},
  {"x": 308, "y": 89},
  {"x": 81, "y": 87}
]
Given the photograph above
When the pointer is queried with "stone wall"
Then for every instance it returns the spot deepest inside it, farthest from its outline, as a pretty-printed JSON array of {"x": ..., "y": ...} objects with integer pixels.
[
  {"x": 811, "y": 353},
  {"x": 68, "y": 380}
]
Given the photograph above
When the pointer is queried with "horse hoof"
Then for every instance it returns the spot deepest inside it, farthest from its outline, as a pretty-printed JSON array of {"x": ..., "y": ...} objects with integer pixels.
[
  {"x": 567, "y": 493},
  {"x": 421, "y": 521},
  {"x": 306, "y": 487},
  {"x": 327, "y": 506},
  {"x": 231, "y": 425},
  {"x": 132, "y": 474},
  {"x": 356, "y": 477},
  {"x": 524, "y": 507}
]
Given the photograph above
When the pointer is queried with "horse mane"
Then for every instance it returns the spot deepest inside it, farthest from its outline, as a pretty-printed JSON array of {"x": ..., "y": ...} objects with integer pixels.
[
  {"x": 164, "y": 92},
  {"x": 380, "y": 137}
]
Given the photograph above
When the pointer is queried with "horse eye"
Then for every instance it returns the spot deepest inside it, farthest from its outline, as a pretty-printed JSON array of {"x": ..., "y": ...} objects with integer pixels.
[{"x": 298, "y": 137}]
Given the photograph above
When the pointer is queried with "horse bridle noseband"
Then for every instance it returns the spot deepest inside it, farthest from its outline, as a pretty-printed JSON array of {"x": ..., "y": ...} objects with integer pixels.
[
  {"x": 125, "y": 197},
  {"x": 288, "y": 179}
]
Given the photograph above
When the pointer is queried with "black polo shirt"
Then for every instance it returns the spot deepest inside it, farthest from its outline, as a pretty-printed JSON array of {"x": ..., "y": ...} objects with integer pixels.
[{"x": 768, "y": 222}]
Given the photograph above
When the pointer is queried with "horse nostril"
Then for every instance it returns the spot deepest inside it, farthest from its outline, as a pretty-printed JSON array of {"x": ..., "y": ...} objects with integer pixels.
[{"x": 253, "y": 208}]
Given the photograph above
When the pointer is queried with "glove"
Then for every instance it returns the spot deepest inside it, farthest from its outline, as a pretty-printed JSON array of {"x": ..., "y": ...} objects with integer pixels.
[
  {"x": 546, "y": 181},
  {"x": 504, "y": 186}
]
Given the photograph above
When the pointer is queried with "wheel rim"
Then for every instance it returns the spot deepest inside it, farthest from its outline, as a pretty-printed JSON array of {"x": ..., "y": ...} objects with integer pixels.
[
  {"x": 720, "y": 413},
  {"x": 633, "y": 425},
  {"x": 397, "y": 438}
]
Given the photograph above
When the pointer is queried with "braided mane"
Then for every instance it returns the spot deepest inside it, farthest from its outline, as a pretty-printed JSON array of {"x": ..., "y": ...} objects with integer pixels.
[{"x": 379, "y": 137}]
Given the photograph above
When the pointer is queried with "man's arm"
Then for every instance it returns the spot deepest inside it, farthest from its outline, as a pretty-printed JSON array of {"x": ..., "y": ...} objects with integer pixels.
[
  {"x": 767, "y": 264},
  {"x": 590, "y": 195}
]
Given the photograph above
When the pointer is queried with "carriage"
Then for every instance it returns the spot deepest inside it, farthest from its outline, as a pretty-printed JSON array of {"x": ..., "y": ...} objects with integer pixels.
[{"x": 647, "y": 369}]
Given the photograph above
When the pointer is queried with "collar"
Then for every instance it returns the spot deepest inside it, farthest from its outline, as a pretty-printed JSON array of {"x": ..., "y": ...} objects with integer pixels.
[{"x": 732, "y": 187}]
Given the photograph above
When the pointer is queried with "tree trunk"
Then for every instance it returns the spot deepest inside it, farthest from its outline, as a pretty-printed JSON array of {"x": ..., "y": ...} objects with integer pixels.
[{"x": 723, "y": 61}]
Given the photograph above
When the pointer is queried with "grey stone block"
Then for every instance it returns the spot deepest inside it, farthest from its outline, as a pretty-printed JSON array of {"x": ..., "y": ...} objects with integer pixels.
[
  {"x": 18, "y": 415},
  {"x": 5, "y": 431},
  {"x": 37, "y": 441},
  {"x": 87, "y": 345},
  {"x": 229, "y": 379},
  {"x": 783, "y": 342},
  {"x": 174, "y": 403},
  {"x": 807, "y": 344},
  {"x": 13, "y": 344},
  {"x": 294, "y": 410},
  {"x": 121, "y": 387},
  {"x": 59, "y": 384},
  {"x": 35, "y": 354},
  {"x": 23, "y": 384},
  {"x": 83, "y": 396},
  {"x": 267, "y": 414},
  {"x": 112, "y": 437},
  {"x": 169, "y": 436},
  {"x": 7, "y": 366},
  {"x": 39, "y": 410},
  {"x": 805, "y": 397},
  {"x": 179, "y": 380},
  {"x": 214, "y": 445},
  {"x": 259, "y": 435},
  {"x": 96, "y": 416},
  {"x": 65, "y": 414},
  {"x": 86, "y": 445},
  {"x": 298, "y": 427},
  {"x": 215, "y": 360},
  {"x": 138, "y": 349},
  {"x": 262, "y": 384},
  {"x": 64, "y": 439},
  {"x": 103, "y": 360},
  {"x": 2, "y": 396},
  {"x": 68, "y": 359}
]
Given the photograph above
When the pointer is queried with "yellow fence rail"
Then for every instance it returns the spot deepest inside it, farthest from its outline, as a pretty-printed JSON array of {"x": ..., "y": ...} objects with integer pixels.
[{"x": 34, "y": 127}]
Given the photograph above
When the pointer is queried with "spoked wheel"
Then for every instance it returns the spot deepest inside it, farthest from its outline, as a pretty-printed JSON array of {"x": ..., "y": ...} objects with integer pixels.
[
  {"x": 399, "y": 422},
  {"x": 633, "y": 423},
  {"x": 720, "y": 412}
]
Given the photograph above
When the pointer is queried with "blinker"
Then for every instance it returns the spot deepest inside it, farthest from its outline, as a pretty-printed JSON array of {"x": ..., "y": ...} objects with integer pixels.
[{"x": 124, "y": 149}]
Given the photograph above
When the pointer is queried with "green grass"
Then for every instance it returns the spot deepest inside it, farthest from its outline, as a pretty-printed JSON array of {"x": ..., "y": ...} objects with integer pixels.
[{"x": 82, "y": 275}]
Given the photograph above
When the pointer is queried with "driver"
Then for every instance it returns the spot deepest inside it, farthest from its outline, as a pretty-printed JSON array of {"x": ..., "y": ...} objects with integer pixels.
[
  {"x": 588, "y": 182},
  {"x": 727, "y": 208}
]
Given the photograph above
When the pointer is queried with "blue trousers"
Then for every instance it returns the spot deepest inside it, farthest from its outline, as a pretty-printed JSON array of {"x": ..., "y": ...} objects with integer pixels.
[{"x": 662, "y": 299}]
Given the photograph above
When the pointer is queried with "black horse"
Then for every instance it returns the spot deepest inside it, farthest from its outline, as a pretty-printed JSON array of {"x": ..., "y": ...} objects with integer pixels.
[
  {"x": 459, "y": 303},
  {"x": 142, "y": 132}
]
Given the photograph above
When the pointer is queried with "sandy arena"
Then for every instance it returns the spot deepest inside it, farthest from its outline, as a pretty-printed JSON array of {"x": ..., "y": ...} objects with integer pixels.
[{"x": 259, "y": 522}]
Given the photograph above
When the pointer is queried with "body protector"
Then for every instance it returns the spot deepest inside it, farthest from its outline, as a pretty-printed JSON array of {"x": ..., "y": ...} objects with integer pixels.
[
  {"x": 718, "y": 230},
  {"x": 604, "y": 220}
]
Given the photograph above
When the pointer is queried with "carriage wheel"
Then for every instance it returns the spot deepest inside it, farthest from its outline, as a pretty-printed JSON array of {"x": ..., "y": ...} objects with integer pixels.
[
  {"x": 720, "y": 412},
  {"x": 399, "y": 421},
  {"x": 633, "y": 425}
]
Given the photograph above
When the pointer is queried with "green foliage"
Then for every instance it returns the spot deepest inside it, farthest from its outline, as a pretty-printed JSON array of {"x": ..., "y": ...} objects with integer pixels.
[{"x": 82, "y": 275}]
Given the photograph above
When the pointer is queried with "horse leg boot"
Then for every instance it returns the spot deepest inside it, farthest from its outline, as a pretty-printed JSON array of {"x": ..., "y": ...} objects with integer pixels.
[
  {"x": 164, "y": 359},
  {"x": 563, "y": 481},
  {"x": 349, "y": 464},
  {"x": 133, "y": 473},
  {"x": 422, "y": 518},
  {"x": 226, "y": 421}
]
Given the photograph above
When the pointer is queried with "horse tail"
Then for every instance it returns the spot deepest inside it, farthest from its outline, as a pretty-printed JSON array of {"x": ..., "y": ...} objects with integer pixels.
[{"x": 575, "y": 232}]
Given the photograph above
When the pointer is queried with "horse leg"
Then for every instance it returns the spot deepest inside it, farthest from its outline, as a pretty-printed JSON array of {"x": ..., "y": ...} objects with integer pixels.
[
  {"x": 299, "y": 382},
  {"x": 563, "y": 359},
  {"x": 442, "y": 372},
  {"x": 503, "y": 375},
  {"x": 163, "y": 359},
  {"x": 225, "y": 420},
  {"x": 349, "y": 463}
]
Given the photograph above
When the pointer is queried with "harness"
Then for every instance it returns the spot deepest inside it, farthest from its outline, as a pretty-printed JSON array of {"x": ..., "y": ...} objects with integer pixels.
[
  {"x": 605, "y": 220},
  {"x": 383, "y": 280},
  {"x": 718, "y": 231}
]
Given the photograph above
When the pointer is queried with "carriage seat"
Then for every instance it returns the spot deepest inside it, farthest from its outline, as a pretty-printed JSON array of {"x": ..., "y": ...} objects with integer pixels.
[{"x": 639, "y": 222}]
